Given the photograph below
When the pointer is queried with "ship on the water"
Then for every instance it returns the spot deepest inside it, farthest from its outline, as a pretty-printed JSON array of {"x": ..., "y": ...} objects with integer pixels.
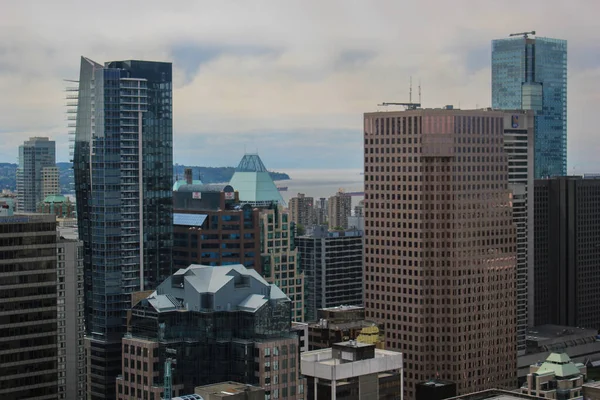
[{"x": 282, "y": 188}]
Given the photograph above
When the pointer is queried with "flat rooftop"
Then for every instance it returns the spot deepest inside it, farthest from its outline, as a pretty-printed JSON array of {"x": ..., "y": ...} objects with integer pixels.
[
  {"x": 494, "y": 394},
  {"x": 550, "y": 334},
  {"x": 228, "y": 388}
]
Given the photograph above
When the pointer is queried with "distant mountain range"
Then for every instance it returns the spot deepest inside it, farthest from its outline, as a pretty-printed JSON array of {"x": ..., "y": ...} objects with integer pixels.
[{"x": 8, "y": 175}]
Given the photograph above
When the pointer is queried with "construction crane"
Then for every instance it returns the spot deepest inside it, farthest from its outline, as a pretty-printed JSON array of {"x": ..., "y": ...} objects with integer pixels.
[
  {"x": 408, "y": 106},
  {"x": 524, "y": 34}
]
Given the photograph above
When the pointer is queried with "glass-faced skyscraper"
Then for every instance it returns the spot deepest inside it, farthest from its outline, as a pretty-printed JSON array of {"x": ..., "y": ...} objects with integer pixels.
[
  {"x": 37, "y": 175},
  {"x": 123, "y": 160},
  {"x": 531, "y": 74}
]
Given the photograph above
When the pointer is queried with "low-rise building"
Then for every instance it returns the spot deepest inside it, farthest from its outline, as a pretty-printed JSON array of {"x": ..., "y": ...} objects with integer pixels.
[
  {"x": 556, "y": 378},
  {"x": 352, "y": 370},
  {"x": 495, "y": 394},
  {"x": 343, "y": 323},
  {"x": 581, "y": 345},
  {"x": 57, "y": 204},
  {"x": 591, "y": 391}
]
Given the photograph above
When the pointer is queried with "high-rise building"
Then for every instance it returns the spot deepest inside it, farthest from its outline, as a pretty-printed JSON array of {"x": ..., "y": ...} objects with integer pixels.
[
  {"x": 440, "y": 257},
  {"x": 302, "y": 210},
  {"x": 123, "y": 167},
  {"x": 332, "y": 262},
  {"x": 279, "y": 256},
  {"x": 339, "y": 208},
  {"x": 519, "y": 146},
  {"x": 29, "y": 348},
  {"x": 531, "y": 74},
  {"x": 217, "y": 324},
  {"x": 37, "y": 175},
  {"x": 321, "y": 211},
  {"x": 212, "y": 227},
  {"x": 567, "y": 251},
  {"x": 71, "y": 323}
]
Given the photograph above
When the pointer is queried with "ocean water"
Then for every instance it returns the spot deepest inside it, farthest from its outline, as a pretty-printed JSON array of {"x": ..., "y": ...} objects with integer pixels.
[{"x": 322, "y": 183}]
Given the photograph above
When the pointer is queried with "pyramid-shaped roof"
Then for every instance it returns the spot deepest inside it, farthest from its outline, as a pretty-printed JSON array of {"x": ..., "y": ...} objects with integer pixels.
[{"x": 254, "y": 183}]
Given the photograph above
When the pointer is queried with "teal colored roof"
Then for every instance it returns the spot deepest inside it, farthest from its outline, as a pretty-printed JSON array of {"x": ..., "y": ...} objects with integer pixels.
[
  {"x": 560, "y": 365},
  {"x": 183, "y": 182},
  {"x": 55, "y": 198},
  {"x": 254, "y": 183}
]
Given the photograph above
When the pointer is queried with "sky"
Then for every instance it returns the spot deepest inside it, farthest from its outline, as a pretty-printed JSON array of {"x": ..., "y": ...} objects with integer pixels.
[{"x": 289, "y": 79}]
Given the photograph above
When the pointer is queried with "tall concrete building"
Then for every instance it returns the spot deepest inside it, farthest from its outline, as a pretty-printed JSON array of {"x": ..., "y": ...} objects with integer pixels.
[
  {"x": 519, "y": 129},
  {"x": 332, "y": 263},
  {"x": 567, "y": 251},
  {"x": 302, "y": 210},
  {"x": 37, "y": 175},
  {"x": 29, "y": 348},
  {"x": 531, "y": 74},
  {"x": 321, "y": 211},
  {"x": 440, "y": 257},
  {"x": 339, "y": 208},
  {"x": 71, "y": 323},
  {"x": 123, "y": 165}
]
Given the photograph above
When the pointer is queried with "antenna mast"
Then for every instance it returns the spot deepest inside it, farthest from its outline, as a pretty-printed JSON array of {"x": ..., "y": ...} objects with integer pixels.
[
  {"x": 410, "y": 91},
  {"x": 420, "y": 102}
]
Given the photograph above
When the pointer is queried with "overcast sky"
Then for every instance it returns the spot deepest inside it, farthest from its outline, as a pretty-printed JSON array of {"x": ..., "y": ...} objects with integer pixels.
[{"x": 290, "y": 79}]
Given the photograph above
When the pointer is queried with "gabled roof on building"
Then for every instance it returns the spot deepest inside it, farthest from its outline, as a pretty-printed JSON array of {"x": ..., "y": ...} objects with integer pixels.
[
  {"x": 254, "y": 183},
  {"x": 560, "y": 365},
  {"x": 205, "y": 288}
]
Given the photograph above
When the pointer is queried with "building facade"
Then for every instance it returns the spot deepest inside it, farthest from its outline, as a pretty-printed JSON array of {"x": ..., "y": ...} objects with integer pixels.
[
  {"x": 37, "y": 174},
  {"x": 567, "y": 251},
  {"x": 531, "y": 74},
  {"x": 29, "y": 348},
  {"x": 123, "y": 168},
  {"x": 279, "y": 256},
  {"x": 332, "y": 262},
  {"x": 59, "y": 205},
  {"x": 302, "y": 210},
  {"x": 339, "y": 208},
  {"x": 440, "y": 256},
  {"x": 212, "y": 227},
  {"x": 519, "y": 130},
  {"x": 217, "y": 324},
  {"x": 556, "y": 378},
  {"x": 353, "y": 370},
  {"x": 71, "y": 329}
]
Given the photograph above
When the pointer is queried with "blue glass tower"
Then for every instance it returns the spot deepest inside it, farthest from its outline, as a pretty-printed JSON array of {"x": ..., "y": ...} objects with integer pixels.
[
  {"x": 123, "y": 160},
  {"x": 531, "y": 74}
]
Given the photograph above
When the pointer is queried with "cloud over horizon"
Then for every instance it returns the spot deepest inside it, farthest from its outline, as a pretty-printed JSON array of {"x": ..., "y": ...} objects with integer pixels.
[{"x": 291, "y": 79}]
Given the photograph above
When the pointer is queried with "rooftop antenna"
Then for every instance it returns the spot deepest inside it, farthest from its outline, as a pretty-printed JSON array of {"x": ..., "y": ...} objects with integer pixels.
[
  {"x": 410, "y": 105},
  {"x": 524, "y": 34},
  {"x": 420, "y": 102}
]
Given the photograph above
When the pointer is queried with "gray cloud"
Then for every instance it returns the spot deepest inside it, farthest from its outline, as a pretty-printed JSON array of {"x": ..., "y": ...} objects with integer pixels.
[{"x": 272, "y": 75}]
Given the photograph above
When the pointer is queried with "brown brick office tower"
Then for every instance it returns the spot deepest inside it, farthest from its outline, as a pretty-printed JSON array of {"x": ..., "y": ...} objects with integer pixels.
[{"x": 440, "y": 258}]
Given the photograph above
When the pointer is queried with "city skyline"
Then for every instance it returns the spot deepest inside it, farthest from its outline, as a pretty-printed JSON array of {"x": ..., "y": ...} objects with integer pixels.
[{"x": 247, "y": 78}]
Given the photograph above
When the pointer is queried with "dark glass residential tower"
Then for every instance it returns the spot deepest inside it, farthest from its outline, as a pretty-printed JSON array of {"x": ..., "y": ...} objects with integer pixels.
[
  {"x": 123, "y": 160},
  {"x": 531, "y": 74}
]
